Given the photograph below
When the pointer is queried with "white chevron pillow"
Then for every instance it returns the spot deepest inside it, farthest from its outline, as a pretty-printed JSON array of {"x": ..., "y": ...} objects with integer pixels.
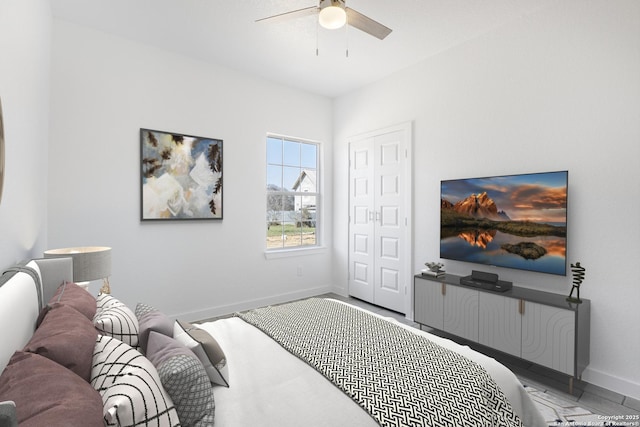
[
  {"x": 132, "y": 394},
  {"x": 115, "y": 319}
]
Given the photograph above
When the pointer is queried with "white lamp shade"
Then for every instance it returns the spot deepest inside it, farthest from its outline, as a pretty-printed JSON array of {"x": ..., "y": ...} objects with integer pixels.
[
  {"x": 89, "y": 262},
  {"x": 332, "y": 17}
]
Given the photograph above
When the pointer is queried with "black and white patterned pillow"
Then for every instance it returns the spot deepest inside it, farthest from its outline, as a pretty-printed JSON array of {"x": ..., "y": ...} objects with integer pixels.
[
  {"x": 115, "y": 319},
  {"x": 184, "y": 378},
  {"x": 131, "y": 390},
  {"x": 142, "y": 309}
]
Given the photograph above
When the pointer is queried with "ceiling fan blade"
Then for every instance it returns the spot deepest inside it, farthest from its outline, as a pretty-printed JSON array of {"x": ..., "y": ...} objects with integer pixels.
[
  {"x": 366, "y": 24},
  {"x": 292, "y": 15}
]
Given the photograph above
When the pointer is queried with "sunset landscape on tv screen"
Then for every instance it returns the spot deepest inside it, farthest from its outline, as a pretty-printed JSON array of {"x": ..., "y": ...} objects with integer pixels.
[{"x": 514, "y": 221}]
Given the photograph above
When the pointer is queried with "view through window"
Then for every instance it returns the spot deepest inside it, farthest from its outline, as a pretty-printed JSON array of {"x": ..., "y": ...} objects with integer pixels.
[{"x": 292, "y": 193}]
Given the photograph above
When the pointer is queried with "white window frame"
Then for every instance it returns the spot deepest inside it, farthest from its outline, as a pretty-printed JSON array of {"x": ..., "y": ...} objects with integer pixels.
[{"x": 286, "y": 251}]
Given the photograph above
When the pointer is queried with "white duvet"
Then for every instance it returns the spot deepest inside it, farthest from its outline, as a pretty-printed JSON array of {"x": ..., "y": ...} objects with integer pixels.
[{"x": 271, "y": 387}]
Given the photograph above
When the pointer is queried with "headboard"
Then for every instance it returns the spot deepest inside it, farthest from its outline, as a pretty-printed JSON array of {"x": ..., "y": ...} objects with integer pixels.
[{"x": 24, "y": 289}]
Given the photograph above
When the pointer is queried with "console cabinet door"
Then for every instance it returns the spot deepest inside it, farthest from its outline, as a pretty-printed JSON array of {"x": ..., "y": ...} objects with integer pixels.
[
  {"x": 500, "y": 325},
  {"x": 548, "y": 337},
  {"x": 461, "y": 312},
  {"x": 429, "y": 308}
]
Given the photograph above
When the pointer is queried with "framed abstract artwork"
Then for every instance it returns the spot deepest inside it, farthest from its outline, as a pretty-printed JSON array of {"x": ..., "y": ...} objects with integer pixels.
[{"x": 181, "y": 176}]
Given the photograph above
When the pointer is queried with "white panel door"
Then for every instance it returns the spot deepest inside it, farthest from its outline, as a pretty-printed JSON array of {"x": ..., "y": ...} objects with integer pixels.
[
  {"x": 390, "y": 226},
  {"x": 378, "y": 224},
  {"x": 361, "y": 221}
]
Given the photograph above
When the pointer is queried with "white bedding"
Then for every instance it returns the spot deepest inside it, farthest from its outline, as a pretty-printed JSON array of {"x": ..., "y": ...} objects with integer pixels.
[{"x": 271, "y": 387}]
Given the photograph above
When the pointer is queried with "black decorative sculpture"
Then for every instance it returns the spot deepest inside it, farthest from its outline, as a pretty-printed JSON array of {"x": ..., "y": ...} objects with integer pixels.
[{"x": 578, "y": 277}]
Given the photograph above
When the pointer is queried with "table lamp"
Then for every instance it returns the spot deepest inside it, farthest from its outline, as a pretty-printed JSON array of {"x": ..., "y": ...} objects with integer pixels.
[{"x": 89, "y": 263}]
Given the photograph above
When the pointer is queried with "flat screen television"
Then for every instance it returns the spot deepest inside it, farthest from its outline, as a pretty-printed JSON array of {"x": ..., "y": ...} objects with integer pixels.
[{"x": 513, "y": 221}]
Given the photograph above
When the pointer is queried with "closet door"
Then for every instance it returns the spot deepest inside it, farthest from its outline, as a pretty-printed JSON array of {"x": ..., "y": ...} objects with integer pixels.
[
  {"x": 389, "y": 277},
  {"x": 379, "y": 261},
  {"x": 361, "y": 220}
]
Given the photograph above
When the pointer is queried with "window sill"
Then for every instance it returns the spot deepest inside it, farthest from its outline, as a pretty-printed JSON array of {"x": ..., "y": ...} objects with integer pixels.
[{"x": 285, "y": 253}]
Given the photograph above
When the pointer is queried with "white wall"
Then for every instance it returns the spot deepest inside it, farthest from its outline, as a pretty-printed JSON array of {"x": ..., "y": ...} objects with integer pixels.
[
  {"x": 556, "y": 90},
  {"x": 104, "y": 89},
  {"x": 24, "y": 91}
]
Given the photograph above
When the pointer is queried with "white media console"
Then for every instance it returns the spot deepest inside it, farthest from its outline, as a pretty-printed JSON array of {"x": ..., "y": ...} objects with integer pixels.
[{"x": 540, "y": 327}]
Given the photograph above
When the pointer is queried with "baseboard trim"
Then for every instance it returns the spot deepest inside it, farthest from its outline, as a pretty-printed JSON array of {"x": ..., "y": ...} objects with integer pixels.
[
  {"x": 612, "y": 382},
  {"x": 224, "y": 310},
  {"x": 340, "y": 290}
]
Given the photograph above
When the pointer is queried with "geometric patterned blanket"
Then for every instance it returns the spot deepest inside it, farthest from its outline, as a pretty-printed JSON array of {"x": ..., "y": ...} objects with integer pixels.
[{"x": 398, "y": 377}]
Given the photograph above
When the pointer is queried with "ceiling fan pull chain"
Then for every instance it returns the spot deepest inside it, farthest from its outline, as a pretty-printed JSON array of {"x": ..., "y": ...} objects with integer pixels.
[
  {"x": 347, "y": 38},
  {"x": 317, "y": 35}
]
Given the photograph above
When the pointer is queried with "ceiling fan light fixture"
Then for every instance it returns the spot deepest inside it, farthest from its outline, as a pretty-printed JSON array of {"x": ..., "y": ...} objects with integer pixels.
[
  {"x": 332, "y": 17},
  {"x": 334, "y": 14}
]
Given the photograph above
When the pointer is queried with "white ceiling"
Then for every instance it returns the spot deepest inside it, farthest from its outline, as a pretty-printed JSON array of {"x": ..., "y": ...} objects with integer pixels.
[{"x": 225, "y": 32}]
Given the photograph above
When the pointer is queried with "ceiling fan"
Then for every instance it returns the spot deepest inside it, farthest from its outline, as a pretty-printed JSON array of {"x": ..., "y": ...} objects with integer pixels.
[{"x": 333, "y": 14}]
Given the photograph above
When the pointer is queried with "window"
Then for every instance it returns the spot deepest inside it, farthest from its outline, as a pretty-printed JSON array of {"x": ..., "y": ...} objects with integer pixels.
[{"x": 292, "y": 193}]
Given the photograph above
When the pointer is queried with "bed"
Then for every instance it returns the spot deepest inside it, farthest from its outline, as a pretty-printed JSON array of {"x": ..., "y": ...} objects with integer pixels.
[{"x": 316, "y": 362}]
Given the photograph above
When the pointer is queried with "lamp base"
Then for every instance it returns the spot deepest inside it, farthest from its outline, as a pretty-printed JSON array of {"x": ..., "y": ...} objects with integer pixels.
[
  {"x": 105, "y": 289},
  {"x": 84, "y": 285}
]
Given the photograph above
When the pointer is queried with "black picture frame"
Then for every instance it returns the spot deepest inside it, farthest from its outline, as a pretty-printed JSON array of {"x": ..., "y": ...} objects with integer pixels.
[{"x": 181, "y": 176}]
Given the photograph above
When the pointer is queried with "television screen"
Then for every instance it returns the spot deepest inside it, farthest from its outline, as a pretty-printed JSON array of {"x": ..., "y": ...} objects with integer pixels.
[{"x": 514, "y": 221}]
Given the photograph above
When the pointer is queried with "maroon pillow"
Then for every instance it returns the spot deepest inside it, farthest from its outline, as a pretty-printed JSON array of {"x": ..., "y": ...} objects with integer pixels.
[
  {"x": 47, "y": 394},
  {"x": 66, "y": 337},
  {"x": 74, "y": 296}
]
